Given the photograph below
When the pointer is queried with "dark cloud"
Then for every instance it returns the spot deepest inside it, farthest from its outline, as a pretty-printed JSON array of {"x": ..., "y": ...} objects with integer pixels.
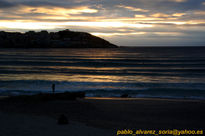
[
  {"x": 165, "y": 28},
  {"x": 155, "y": 6},
  {"x": 39, "y": 3},
  {"x": 5, "y": 4}
]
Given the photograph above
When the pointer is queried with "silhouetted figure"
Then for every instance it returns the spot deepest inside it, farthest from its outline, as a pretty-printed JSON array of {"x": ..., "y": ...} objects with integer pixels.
[
  {"x": 53, "y": 87},
  {"x": 62, "y": 120}
]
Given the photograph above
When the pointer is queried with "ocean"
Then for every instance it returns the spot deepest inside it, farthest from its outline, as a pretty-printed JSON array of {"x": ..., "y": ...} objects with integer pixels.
[{"x": 162, "y": 72}]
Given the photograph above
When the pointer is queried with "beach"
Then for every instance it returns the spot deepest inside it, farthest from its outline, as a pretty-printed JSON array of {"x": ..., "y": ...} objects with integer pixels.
[
  {"x": 95, "y": 116},
  {"x": 102, "y": 68},
  {"x": 32, "y": 125}
]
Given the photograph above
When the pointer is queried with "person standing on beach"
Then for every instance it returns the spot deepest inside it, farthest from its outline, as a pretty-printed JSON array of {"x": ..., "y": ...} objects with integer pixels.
[{"x": 53, "y": 87}]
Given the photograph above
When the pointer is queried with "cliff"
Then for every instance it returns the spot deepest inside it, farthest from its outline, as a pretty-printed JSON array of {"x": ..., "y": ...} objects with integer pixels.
[{"x": 43, "y": 39}]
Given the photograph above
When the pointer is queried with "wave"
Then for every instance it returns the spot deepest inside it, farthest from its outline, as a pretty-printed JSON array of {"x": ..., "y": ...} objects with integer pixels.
[
  {"x": 106, "y": 89},
  {"x": 97, "y": 64},
  {"x": 175, "y": 93},
  {"x": 138, "y": 72}
]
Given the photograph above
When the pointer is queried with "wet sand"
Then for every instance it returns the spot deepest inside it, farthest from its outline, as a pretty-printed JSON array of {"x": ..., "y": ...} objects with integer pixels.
[{"x": 100, "y": 116}]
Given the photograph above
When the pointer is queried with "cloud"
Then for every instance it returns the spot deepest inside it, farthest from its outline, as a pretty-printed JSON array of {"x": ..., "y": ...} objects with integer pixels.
[
  {"x": 178, "y": 14},
  {"x": 132, "y": 8},
  {"x": 117, "y": 34},
  {"x": 160, "y": 15},
  {"x": 199, "y": 12},
  {"x": 120, "y": 21},
  {"x": 178, "y": 1},
  {"x": 57, "y": 10},
  {"x": 5, "y": 4}
]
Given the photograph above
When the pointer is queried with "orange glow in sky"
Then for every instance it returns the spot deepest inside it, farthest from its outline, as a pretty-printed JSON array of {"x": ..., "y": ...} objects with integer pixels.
[{"x": 142, "y": 22}]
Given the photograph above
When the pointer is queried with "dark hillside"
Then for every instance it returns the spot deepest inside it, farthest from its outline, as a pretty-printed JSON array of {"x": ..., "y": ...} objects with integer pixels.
[{"x": 43, "y": 39}]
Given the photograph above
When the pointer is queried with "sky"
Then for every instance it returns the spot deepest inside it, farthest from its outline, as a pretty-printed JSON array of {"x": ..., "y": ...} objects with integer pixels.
[{"x": 122, "y": 22}]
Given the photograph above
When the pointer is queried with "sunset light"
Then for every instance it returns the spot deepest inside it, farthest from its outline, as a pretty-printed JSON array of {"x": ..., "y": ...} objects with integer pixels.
[
  {"x": 177, "y": 19},
  {"x": 102, "y": 67}
]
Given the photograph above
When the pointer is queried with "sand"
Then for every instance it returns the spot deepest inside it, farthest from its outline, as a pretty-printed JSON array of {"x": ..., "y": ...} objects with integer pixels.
[
  {"x": 30, "y": 125},
  {"x": 97, "y": 116}
]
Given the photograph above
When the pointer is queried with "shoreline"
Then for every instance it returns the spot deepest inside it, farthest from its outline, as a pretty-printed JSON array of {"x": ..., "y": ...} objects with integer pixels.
[
  {"x": 143, "y": 98},
  {"x": 120, "y": 98},
  {"x": 85, "y": 95}
]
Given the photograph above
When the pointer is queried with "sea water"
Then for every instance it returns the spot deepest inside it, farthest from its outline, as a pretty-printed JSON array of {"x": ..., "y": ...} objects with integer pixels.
[{"x": 167, "y": 72}]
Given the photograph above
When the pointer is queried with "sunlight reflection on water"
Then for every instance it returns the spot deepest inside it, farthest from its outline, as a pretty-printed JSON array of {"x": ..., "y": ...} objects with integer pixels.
[{"x": 123, "y": 68}]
